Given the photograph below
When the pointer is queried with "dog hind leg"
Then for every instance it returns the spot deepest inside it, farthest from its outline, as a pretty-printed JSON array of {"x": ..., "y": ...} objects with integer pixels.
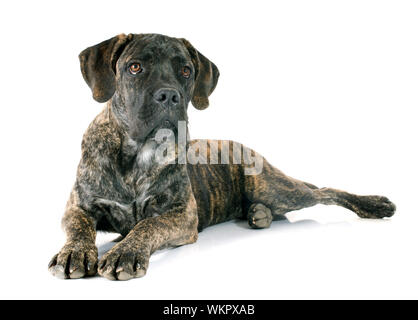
[
  {"x": 272, "y": 193},
  {"x": 368, "y": 207}
]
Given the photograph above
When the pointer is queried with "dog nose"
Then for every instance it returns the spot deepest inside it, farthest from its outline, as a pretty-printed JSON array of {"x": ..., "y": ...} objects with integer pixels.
[{"x": 167, "y": 97}]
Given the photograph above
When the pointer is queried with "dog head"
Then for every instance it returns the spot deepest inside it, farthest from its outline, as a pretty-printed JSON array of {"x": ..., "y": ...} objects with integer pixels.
[{"x": 150, "y": 78}]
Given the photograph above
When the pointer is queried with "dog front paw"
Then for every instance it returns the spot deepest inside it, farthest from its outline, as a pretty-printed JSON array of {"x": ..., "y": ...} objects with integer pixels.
[
  {"x": 124, "y": 262},
  {"x": 75, "y": 260}
]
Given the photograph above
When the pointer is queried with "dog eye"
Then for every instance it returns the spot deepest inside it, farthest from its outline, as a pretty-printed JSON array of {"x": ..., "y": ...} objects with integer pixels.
[
  {"x": 135, "y": 68},
  {"x": 186, "y": 71}
]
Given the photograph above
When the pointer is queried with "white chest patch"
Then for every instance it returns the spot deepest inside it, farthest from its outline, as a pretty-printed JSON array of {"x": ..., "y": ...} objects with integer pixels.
[{"x": 146, "y": 154}]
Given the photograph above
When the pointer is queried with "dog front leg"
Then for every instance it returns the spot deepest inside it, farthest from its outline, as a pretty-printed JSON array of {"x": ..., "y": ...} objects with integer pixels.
[
  {"x": 130, "y": 257},
  {"x": 78, "y": 257}
]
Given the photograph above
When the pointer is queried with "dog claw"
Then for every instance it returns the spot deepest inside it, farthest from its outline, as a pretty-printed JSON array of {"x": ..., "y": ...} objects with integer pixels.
[
  {"x": 140, "y": 273},
  {"x": 109, "y": 269},
  {"x": 58, "y": 271},
  {"x": 123, "y": 275},
  {"x": 89, "y": 266},
  {"x": 119, "y": 269},
  {"x": 53, "y": 261},
  {"x": 77, "y": 273},
  {"x": 108, "y": 273}
]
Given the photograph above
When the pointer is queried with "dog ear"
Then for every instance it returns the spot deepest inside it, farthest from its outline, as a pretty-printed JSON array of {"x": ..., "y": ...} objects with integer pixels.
[
  {"x": 98, "y": 65},
  {"x": 206, "y": 77}
]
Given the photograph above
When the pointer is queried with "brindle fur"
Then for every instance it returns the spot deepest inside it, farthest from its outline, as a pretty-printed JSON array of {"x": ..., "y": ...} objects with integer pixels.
[{"x": 121, "y": 188}]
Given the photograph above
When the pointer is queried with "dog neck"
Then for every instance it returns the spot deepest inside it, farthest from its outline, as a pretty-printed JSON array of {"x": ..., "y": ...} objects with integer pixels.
[{"x": 148, "y": 155}]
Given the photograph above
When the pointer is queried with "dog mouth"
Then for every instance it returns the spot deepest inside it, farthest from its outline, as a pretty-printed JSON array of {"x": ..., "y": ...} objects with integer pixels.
[
  {"x": 165, "y": 124},
  {"x": 168, "y": 124}
]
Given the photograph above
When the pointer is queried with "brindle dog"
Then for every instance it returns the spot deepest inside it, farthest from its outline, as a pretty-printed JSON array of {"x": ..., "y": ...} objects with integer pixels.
[{"x": 148, "y": 81}]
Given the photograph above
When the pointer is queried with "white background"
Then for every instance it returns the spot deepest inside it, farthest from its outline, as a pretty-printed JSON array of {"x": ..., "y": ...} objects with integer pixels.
[{"x": 325, "y": 90}]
